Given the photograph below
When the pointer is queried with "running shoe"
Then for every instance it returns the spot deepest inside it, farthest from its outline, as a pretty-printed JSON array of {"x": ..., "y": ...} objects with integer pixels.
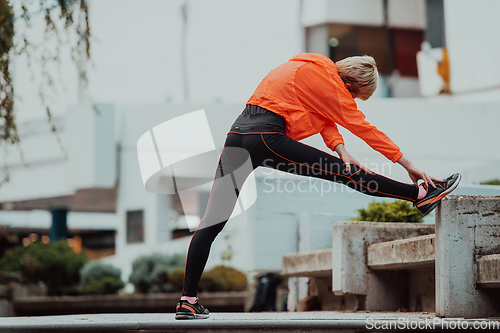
[
  {"x": 186, "y": 310},
  {"x": 434, "y": 195}
]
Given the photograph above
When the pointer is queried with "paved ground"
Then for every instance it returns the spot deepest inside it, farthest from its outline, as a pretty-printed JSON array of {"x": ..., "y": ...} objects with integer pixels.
[{"x": 324, "y": 321}]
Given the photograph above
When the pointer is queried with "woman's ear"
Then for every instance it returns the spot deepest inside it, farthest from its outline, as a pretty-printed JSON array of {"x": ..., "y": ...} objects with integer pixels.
[{"x": 347, "y": 86}]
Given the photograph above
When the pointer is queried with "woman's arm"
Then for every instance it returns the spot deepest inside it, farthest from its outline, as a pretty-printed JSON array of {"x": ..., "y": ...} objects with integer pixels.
[
  {"x": 415, "y": 174},
  {"x": 348, "y": 159}
]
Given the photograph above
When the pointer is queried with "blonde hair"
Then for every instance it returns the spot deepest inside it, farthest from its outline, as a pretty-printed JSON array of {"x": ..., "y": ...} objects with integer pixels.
[{"x": 361, "y": 73}]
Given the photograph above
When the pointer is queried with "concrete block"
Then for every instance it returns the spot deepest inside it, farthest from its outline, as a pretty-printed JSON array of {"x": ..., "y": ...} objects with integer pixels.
[
  {"x": 384, "y": 290},
  {"x": 466, "y": 226},
  {"x": 411, "y": 253},
  {"x": 310, "y": 264},
  {"x": 488, "y": 271},
  {"x": 349, "y": 255}
]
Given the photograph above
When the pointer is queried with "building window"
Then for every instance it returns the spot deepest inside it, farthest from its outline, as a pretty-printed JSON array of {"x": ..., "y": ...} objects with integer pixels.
[
  {"x": 135, "y": 226},
  {"x": 406, "y": 44},
  {"x": 392, "y": 48}
]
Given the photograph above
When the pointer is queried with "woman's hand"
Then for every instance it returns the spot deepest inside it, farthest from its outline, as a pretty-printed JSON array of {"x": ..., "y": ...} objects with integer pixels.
[
  {"x": 415, "y": 174},
  {"x": 348, "y": 159}
]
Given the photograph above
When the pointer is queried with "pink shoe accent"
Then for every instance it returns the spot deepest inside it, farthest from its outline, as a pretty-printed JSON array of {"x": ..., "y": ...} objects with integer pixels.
[
  {"x": 191, "y": 300},
  {"x": 421, "y": 192}
]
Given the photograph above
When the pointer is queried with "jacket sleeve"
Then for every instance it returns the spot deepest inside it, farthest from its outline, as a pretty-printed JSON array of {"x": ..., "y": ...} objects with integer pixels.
[
  {"x": 354, "y": 120},
  {"x": 331, "y": 136}
]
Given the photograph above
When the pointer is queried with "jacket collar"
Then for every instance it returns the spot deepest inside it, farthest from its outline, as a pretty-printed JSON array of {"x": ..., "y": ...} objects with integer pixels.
[{"x": 313, "y": 57}]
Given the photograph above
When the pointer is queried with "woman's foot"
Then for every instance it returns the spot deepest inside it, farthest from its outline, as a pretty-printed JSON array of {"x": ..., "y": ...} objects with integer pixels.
[
  {"x": 434, "y": 195},
  {"x": 187, "y": 310}
]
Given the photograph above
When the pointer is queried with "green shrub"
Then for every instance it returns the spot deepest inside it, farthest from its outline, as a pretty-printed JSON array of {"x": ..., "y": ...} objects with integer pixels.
[
  {"x": 106, "y": 285},
  {"x": 100, "y": 278},
  {"x": 96, "y": 270},
  {"x": 491, "y": 182},
  {"x": 222, "y": 278},
  {"x": 150, "y": 272},
  {"x": 55, "y": 264},
  {"x": 176, "y": 278},
  {"x": 397, "y": 211}
]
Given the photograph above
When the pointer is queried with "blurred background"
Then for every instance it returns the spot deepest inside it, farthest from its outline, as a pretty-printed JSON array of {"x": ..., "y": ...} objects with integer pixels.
[{"x": 74, "y": 174}]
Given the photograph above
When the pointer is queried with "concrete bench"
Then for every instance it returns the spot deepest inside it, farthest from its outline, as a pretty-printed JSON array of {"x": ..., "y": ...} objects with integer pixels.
[
  {"x": 379, "y": 290},
  {"x": 386, "y": 266},
  {"x": 343, "y": 268}
]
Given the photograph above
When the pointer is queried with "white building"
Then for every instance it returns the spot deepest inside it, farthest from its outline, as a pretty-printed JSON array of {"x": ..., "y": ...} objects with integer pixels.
[{"x": 157, "y": 60}]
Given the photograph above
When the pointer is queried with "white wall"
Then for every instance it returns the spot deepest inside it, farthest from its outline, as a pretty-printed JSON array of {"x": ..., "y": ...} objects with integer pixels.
[
  {"x": 410, "y": 14},
  {"x": 472, "y": 39},
  {"x": 364, "y": 12},
  {"x": 135, "y": 51},
  {"x": 230, "y": 46}
]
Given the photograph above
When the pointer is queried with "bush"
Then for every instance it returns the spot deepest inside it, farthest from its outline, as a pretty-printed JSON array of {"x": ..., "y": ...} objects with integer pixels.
[
  {"x": 491, "y": 182},
  {"x": 54, "y": 264},
  {"x": 397, "y": 211},
  {"x": 100, "y": 278},
  {"x": 176, "y": 278},
  {"x": 96, "y": 270},
  {"x": 106, "y": 285},
  {"x": 150, "y": 272},
  {"x": 222, "y": 278}
]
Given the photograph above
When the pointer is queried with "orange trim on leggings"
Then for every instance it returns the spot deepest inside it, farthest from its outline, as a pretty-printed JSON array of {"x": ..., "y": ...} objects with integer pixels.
[
  {"x": 354, "y": 173},
  {"x": 333, "y": 173},
  {"x": 257, "y": 133}
]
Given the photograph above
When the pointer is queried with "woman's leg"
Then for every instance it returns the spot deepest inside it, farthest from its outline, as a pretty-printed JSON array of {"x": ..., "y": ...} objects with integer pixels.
[
  {"x": 233, "y": 169},
  {"x": 282, "y": 153},
  {"x": 197, "y": 257}
]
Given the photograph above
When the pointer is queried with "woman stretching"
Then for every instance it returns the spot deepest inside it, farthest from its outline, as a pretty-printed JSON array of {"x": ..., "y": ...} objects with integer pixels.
[{"x": 307, "y": 95}]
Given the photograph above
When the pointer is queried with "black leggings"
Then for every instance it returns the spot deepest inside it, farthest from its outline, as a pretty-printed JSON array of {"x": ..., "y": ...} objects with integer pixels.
[{"x": 258, "y": 138}]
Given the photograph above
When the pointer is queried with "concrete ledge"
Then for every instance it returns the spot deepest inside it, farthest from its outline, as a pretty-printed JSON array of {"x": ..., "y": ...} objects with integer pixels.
[
  {"x": 411, "y": 253},
  {"x": 59, "y": 305},
  {"x": 488, "y": 271},
  {"x": 323, "y": 321},
  {"x": 316, "y": 263}
]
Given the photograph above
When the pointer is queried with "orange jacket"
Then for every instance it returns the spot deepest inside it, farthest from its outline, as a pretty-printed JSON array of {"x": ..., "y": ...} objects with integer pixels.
[{"x": 310, "y": 95}]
